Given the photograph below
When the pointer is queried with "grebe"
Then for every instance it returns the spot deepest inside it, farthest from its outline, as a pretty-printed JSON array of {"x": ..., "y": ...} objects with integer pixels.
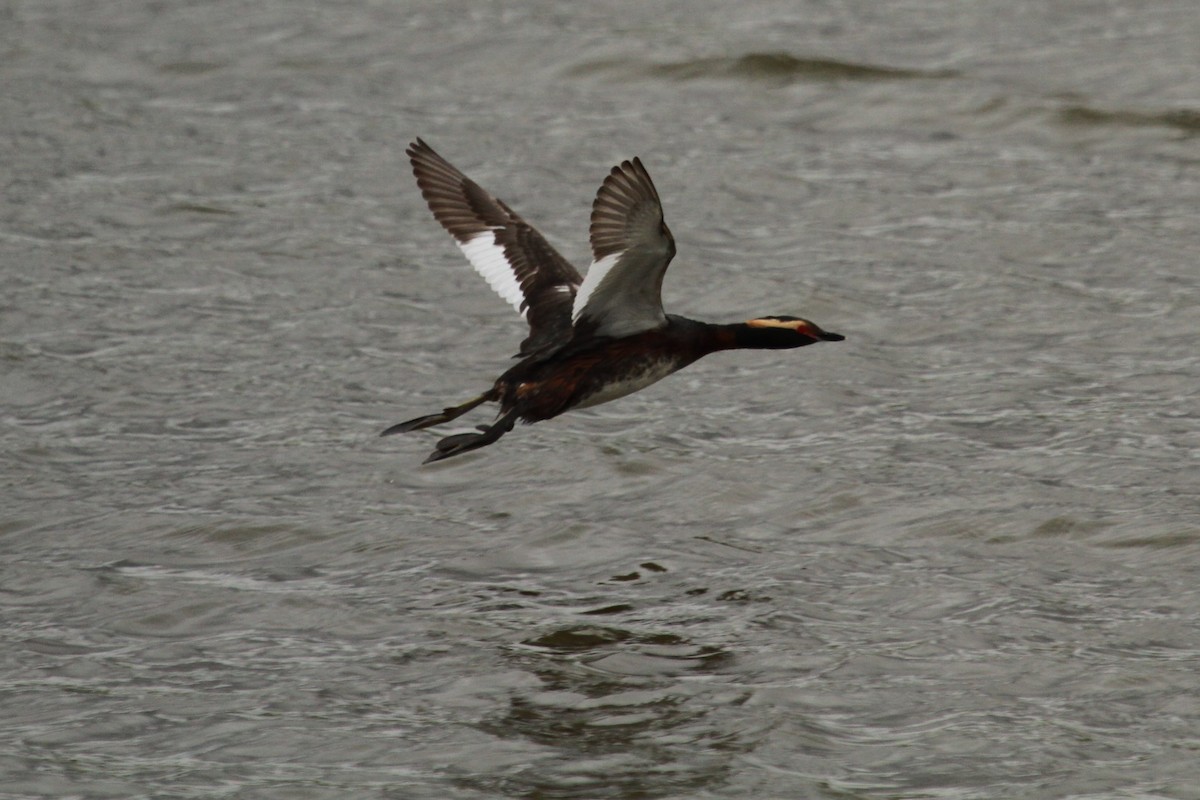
[{"x": 591, "y": 339}]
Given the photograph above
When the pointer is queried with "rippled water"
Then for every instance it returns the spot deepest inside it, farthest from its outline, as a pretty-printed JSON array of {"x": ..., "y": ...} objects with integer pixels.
[{"x": 956, "y": 555}]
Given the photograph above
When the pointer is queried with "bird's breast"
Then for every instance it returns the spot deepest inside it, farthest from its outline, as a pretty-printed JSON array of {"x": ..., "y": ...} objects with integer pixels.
[{"x": 632, "y": 377}]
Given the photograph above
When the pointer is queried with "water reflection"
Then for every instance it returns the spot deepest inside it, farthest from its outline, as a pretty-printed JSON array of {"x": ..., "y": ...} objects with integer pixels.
[
  {"x": 623, "y": 710},
  {"x": 617, "y": 708}
]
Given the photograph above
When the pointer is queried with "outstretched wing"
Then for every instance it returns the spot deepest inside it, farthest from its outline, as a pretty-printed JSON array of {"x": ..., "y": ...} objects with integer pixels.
[
  {"x": 631, "y": 248},
  {"x": 508, "y": 252}
]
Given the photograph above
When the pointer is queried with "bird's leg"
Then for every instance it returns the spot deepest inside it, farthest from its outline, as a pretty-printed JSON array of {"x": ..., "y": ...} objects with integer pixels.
[
  {"x": 447, "y": 414},
  {"x": 465, "y": 442}
]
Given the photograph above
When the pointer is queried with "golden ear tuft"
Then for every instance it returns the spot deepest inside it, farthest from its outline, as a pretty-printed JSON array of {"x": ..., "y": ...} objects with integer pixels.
[{"x": 768, "y": 322}]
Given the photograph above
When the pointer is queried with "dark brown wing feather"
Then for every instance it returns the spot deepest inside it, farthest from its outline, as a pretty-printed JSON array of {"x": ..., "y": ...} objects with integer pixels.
[{"x": 510, "y": 253}]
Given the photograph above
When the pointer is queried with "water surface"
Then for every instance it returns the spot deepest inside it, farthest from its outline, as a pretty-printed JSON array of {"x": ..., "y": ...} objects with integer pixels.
[{"x": 955, "y": 555}]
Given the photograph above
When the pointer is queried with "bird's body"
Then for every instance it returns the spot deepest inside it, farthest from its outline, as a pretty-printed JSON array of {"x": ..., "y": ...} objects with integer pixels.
[{"x": 591, "y": 339}]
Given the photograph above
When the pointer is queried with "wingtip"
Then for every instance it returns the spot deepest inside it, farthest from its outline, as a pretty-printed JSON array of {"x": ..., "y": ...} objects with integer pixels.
[
  {"x": 628, "y": 165},
  {"x": 417, "y": 148}
]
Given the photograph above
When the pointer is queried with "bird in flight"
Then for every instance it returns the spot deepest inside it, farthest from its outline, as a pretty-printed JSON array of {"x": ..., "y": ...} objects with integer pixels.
[{"x": 591, "y": 339}]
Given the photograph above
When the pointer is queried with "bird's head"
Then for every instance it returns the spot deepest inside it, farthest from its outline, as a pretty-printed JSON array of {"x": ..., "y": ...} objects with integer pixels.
[{"x": 786, "y": 332}]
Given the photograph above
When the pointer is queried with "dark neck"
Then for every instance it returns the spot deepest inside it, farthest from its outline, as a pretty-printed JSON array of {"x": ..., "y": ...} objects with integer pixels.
[
  {"x": 745, "y": 337},
  {"x": 698, "y": 338},
  {"x": 707, "y": 337}
]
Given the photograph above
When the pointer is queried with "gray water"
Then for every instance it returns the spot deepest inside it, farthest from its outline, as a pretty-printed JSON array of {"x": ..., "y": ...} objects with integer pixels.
[{"x": 954, "y": 556}]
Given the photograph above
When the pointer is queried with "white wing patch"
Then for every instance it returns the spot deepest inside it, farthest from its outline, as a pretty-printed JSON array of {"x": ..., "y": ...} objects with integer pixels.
[
  {"x": 487, "y": 257},
  {"x": 617, "y": 299},
  {"x": 595, "y": 275}
]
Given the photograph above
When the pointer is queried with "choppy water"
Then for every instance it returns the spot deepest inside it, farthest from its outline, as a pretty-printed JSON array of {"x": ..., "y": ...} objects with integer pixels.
[{"x": 955, "y": 556}]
